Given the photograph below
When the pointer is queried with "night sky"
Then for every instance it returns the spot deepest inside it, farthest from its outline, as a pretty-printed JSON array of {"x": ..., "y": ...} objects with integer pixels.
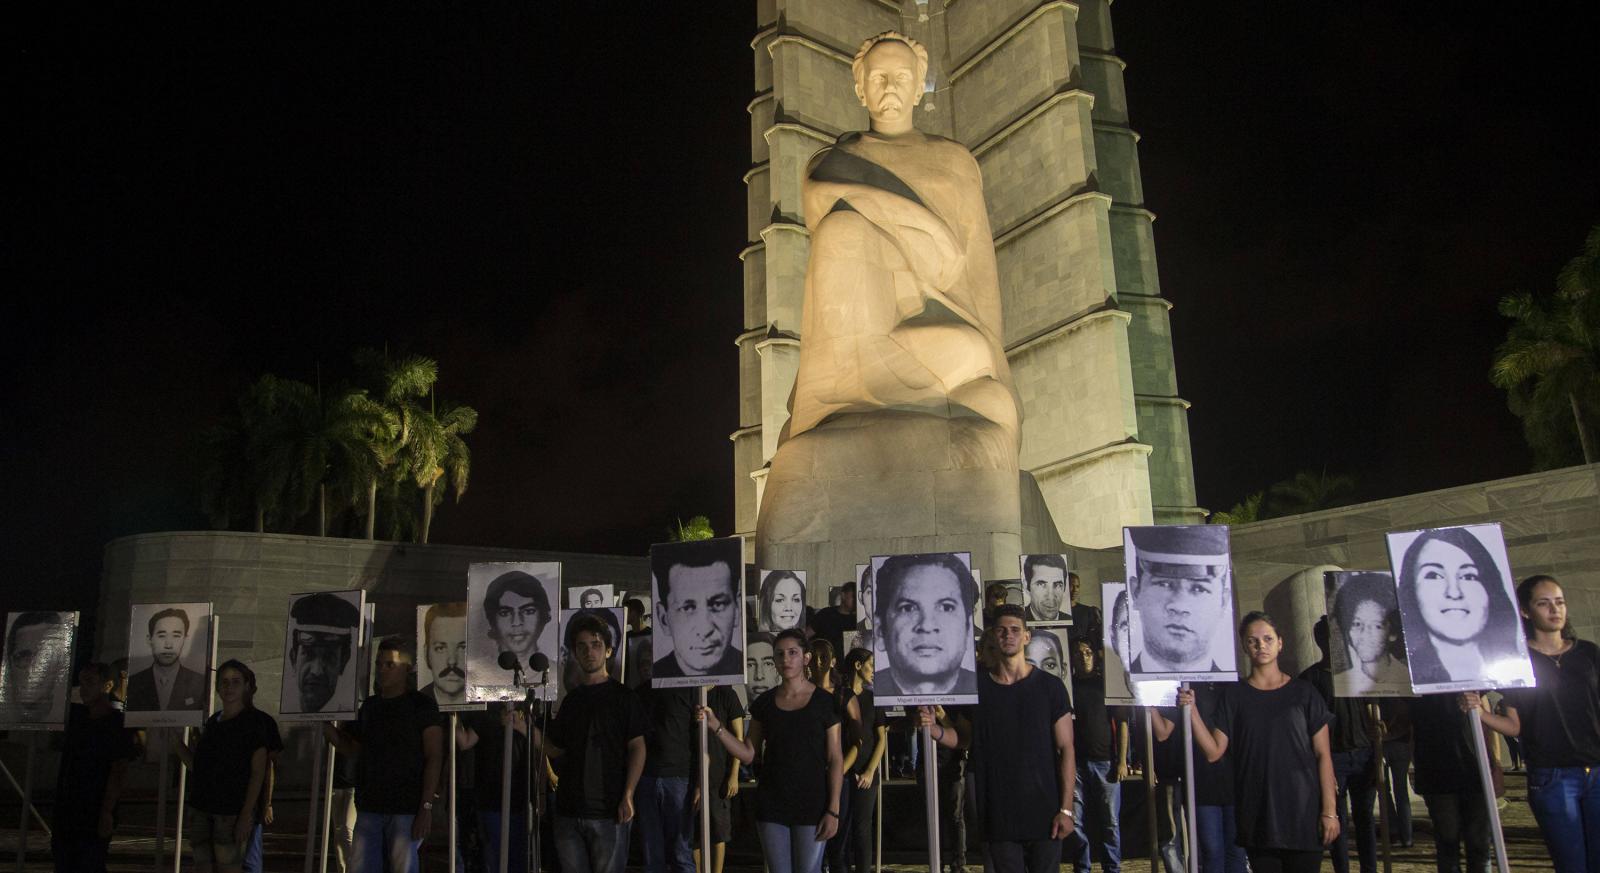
[{"x": 552, "y": 207}]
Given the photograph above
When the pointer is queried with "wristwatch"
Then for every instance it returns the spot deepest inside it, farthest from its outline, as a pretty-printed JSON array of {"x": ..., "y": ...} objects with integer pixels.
[{"x": 427, "y": 804}]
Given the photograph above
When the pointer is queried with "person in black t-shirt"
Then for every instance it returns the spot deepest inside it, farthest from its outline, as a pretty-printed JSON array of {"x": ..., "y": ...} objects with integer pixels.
[
  {"x": 1354, "y": 765},
  {"x": 724, "y": 777},
  {"x": 597, "y": 742},
  {"x": 831, "y": 623},
  {"x": 1558, "y": 721},
  {"x": 863, "y": 742},
  {"x": 794, "y": 729},
  {"x": 668, "y": 792},
  {"x": 397, "y": 741},
  {"x": 229, "y": 761},
  {"x": 1276, "y": 728},
  {"x": 95, "y": 750},
  {"x": 1021, "y": 739},
  {"x": 1449, "y": 779},
  {"x": 1097, "y": 802},
  {"x": 483, "y": 734}
]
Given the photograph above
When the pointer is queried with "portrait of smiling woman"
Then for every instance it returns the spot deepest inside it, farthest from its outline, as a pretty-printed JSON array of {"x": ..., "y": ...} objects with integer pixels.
[
  {"x": 1456, "y": 604},
  {"x": 782, "y": 602}
]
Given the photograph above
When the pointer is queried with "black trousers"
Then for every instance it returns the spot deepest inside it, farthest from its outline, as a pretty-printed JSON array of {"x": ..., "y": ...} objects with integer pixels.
[
  {"x": 1032, "y": 856},
  {"x": 1459, "y": 819},
  {"x": 1283, "y": 861}
]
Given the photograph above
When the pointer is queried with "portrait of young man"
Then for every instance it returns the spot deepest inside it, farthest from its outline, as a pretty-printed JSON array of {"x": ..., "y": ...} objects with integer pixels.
[
  {"x": 1181, "y": 597},
  {"x": 322, "y": 634},
  {"x": 511, "y": 609},
  {"x": 699, "y": 627},
  {"x": 925, "y": 641},
  {"x": 38, "y": 657},
  {"x": 1044, "y": 588},
  {"x": 590, "y": 596},
  {"x": 442, "y": 640},
  {"x": 161, "y": 638}
]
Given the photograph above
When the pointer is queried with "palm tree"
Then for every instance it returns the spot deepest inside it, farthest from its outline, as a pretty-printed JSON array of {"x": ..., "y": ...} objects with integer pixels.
[
  {"x": 394, "y": 385},
  {"x": 697, "y": 528},
  {"x": 435, "y": 451},
  {"x": 1243, "y": 512},
  {"x": 1309, "y": 492},
  {"x": 1549, "y": 364}
]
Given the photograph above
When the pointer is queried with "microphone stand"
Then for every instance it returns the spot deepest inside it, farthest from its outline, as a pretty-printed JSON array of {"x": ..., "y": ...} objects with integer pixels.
[
  {"x": 536, "y": 799},
  {"x": 505, "y": 773}
]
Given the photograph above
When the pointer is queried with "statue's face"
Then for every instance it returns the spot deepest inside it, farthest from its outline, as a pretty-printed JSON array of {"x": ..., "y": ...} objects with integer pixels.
[{"x": 889, "y": 85}]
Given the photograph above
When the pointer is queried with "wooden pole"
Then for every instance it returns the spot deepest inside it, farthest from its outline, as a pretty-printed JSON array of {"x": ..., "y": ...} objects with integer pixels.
[
  {"x": 327, "y": 806},
  {"x": 877, "y": 851},
  {"x": 930, "y": 778},
  {"x": 505, "y": 788},
  {"x": 1193, "y": 829},
  {"x": 1484, "y": 763},
  {"x": 706, "y": 860},
  {"x": 1150, "y": 792},
  {"x": 177, "y": 831},
  {"x": 313, "y": 794},
  {"x": 160, "y": 735},
  {"x": 1383, "y": 785},
  {"x": 455, "y": 719}
]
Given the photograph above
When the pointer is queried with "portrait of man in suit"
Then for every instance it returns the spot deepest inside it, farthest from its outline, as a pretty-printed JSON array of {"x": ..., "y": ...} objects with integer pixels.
[{"x": 167, "y": 685}]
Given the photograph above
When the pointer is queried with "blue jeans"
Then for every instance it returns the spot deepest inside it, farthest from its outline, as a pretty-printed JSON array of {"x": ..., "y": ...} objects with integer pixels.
[
  {"x": 516, "y": 851},
  {"x": 1218, "y": 851},
  {"x": 1358, "y": 787},
  {"x": 790, "y": 849},
  {"x": 1096, "y": 805},
  {"x": 252, "y": 851},
  {"x": 382, "y": 844},
  {"x": 1566, "y": 804},
  {"x": 666, "y": 823},
  {"x": 592, "y": 845}
]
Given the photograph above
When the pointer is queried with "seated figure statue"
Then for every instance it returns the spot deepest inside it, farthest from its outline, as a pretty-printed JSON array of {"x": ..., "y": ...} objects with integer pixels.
[{"x": 903, "y": 421}]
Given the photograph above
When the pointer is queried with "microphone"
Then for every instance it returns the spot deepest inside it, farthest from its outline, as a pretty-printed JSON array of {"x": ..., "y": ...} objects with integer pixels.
[
  {"x": 539, "y": 662},
  {"x": 508, "y": 661}
]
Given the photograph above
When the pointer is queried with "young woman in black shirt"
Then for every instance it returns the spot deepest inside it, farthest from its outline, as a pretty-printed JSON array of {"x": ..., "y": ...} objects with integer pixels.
[
  {"x": 864, "y": 738},
  {"x": 230, "y": 767},
  {"x": 794, "y": 729},
  {"x": 1275, "y": 728}
]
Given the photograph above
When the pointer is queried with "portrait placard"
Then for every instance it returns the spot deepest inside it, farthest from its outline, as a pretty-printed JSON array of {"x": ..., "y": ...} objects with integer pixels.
[
  {"x": 1366, "y": 648},
  {"x": 322, "y": 665},
  {"x": 1049, "y": 649},
  {"x": 781, "y": 600},
  {"x": 169, "y": 654},
  {"x": 924, "y": 646},
  {"x": 1458, "y": 607},
  {"x": 1120, "y": 687},
  {"x": 442, "y": 655},
  {"x": 1180, "y": 586},
  {"x": 1045, "y": 593},
  {"x": 511, "y": 608},
  {"x": 36, "y": 669},
  {"x": 615, "y": 621},
  {"x": 761, "y": 665},
  {"x": 591, "y": 596},
  {"x": 699, "y": 628}
]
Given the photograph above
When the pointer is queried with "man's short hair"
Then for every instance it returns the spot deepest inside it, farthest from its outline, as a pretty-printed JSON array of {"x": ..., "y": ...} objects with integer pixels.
[
  {"x": 586, "y": 592},
  {"x": 995, "y": 589},
  {"x": 847, "y": 588},
  {"x": 439, "y": 610},
  {"x": 28, "y": 619},
  {"x": 892, "y": 574},
  {"x": 696, "y": 553},
  {"x": 589, "y": 621},
  {"x": 1033, "y": 561},
  {"x": 1010, "y": 610},
  {"x": 167, "y": 613},
  {"x": 520, "y": 583},
  {"x": 399, "y": 646},
  {"x": 325, "y": 610},
  {"x": 634, "y": 606}
]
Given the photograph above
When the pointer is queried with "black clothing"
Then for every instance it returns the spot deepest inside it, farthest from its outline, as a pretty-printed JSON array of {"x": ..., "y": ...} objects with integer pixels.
[
  {"x": 830, "y": 624},
  {"x": 488, "y": 760},
  {"x": 89, "y": 748},
  {"x": 794, "y": 764},
  {"x": 593, "y": 729},
  {"x": 1091, "y": 723},
  {"x": 1561, "y": 716},
  {"x": 222, "y": 759},
  {"x": 1213, "y": 781},
  {"x": 1278, "y": 790},
  {"x": 671, "y": 742},
  {"x": 1351, "y": 729},
  {"x": 725, "y": 705},
  {"x": 1014, "y": 755},
  {"x": 1086, "y": 625},
  {"x": 730, "y": 664},
  {"x": 1445, "y": 755},
  {"x": 869, "y": 730},
  {"x": 389, "y": 767}
]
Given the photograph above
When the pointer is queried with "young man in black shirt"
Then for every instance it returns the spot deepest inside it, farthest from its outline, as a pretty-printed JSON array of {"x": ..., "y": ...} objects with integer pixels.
[
  {"x": 667, "y": 793},
  {"x": 597, "y": 743},
  {"x": 1354, "y": 764},
  {"x": 831, "y": 623},
  {"x": 1098, "y": 800},
  {"x": 397, "y": 742},
  {"x": 1021, "y": 738},
  {"x": 1558, "y": 721},
  {"x": 95, "y": 750}
]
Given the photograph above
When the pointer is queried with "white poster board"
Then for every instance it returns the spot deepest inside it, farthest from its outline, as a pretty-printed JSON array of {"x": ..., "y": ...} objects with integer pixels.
[
  {"x": 1458, "y": 608},
  {"x": 511, "y": 608},
  {"x": 321, "y": 663},
  {"x": 781, "y": 600},
  {"x": 169, "y": 653},
  {"x": 36, "y": 669},
  {"x": 1366, "y": 647},
  {"x": 591, "y": 596},
  {"x": 1180, "y": 586},
  {"x": 1117, "y": 639},
  {"x": 699, "y": 633},
  {"x": 442, "y": 655},
  {"x": 924, "y": 647}
]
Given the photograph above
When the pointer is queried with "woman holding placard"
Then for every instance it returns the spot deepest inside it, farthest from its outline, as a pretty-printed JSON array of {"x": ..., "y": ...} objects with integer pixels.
[
  {"x": 1275, "y": 728},
  {"x": 1558, "y": 721},
  {"x": 794, "y": 729}
]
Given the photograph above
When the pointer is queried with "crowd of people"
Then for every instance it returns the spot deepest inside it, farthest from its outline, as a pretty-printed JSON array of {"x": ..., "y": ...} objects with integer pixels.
[{"x": 1285, "y": 771}]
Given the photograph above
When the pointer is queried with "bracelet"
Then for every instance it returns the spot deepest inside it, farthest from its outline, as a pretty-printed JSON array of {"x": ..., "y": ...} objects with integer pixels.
[
  {"x": 830, "y": 812},
  {"x": 720, "y": 729},
  {"x": 1334, "y": 817},
  {"x": 940, "y": 737},
  {"x": 1066, "y": 812}
]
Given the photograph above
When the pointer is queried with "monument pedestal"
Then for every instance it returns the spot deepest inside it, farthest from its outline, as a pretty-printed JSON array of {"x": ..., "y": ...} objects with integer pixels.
[{"x": 890, "y": 483}]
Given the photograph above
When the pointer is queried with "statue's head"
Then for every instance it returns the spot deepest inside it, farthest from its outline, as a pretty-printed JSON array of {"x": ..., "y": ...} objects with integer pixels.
[{"x": 889, "y": 70}]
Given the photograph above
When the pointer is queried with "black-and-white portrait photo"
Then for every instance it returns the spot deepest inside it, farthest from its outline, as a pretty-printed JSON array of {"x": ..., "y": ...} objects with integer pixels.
[
  {"x": 925, "y": 644},
  {"x": 321, "y": 669},
  {"x": 781, "y": 601},
  {"x": 1044, "y": 588},
  {"x": 591, "y": 596},
  {"x": 1118, "y": 647},
  {"x": 169, "y": 652},
  {"x": 1180, "y": 587},
  {"x": 1366, "y": 650},
  {"x": 35, "y": 676},
  {"x": 511, "y": 610},
  {"x": 761, "y": 668},
  {"x": 615, "y": 621},
  {"x": 1049, "y": 649},
  {"x": 1458, "y": 609},
  {"x": 442, "y": 655},
  {"x": 699, "y": 628}
]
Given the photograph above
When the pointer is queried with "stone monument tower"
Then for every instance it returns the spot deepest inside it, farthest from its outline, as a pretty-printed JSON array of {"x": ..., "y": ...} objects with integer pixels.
[{"x": 1034, "y": 91}]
